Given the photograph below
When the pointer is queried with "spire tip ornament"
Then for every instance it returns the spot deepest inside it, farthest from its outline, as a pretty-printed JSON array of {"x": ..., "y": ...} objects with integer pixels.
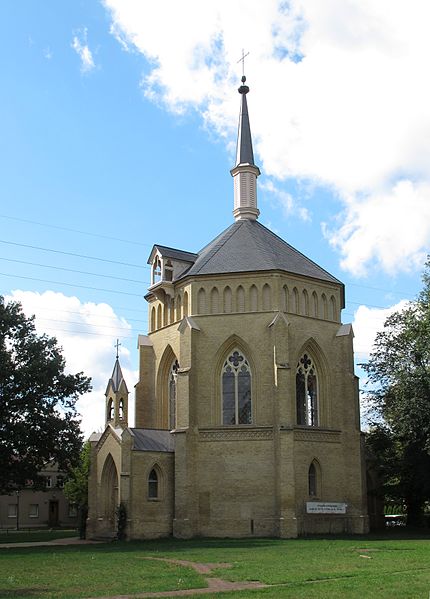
[{"x": 245, "y": 172}]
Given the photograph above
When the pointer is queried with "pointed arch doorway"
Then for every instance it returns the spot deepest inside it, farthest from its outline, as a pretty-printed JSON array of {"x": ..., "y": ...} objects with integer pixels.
[{"x": 109, "y": 493}]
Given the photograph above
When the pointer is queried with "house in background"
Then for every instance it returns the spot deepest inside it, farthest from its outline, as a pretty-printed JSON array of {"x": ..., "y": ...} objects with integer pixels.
[{"x": 48, "y": 508}]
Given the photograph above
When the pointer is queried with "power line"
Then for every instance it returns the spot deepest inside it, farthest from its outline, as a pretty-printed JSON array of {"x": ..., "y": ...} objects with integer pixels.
[
  {"x": 33, "y": 222},
  {"x": 82, "y": 272},
  {"x": 35, "y": 247},
  {"x": 94, "y": 314},
  {"x": 72, "y": 285},
  {"x": 102, "y": 326}
]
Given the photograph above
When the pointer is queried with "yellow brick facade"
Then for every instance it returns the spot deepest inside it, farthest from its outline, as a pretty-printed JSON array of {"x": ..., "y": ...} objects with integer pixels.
[{"x": 246, "y": 479}]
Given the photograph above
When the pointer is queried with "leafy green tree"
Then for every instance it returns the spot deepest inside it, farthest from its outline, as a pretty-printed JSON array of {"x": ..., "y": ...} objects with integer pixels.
[
  {"x": 38, "y": 418},
  {"x": 76, "y": 486},
  {"x": 399, "y": 370}
]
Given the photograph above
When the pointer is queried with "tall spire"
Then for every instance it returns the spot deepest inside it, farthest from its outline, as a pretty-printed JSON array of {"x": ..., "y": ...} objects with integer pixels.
[{"x": 245, "y": 172}]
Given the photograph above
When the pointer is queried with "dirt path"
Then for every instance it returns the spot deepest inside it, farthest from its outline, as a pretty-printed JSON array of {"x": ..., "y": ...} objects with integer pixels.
[{"x": 215, "y": 585}]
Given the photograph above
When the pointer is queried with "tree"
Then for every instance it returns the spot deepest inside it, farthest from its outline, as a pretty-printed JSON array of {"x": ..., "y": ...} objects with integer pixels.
[
  {"x": 76, "y": 486},
  {"x": 38, "y": 418},
  {"x": 399, "y": 437}
]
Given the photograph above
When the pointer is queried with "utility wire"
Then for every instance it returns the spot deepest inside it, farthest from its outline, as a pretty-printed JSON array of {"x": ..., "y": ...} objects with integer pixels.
[
  {"x": 35, "y": 247},
  {"x": 72, "y": 285},
  {"x": 82, "y": 272},
  {"x": 33, "y": 222}
]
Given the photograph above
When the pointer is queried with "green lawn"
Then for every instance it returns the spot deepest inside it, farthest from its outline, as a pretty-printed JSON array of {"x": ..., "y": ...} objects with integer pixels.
[{"x": 325, "y": 568}]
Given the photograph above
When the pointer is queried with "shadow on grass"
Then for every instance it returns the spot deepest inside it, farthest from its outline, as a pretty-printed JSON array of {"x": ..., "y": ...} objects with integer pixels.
[{"x": 172, "y": 545}]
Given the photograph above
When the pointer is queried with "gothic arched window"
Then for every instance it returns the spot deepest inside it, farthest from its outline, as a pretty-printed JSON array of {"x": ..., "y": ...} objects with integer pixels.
[
  {"x": 110, "y": 410},
  {"x": 173, "y": 376},
  {"x": 306, "y": 392},
  {"x": 236, "y": 390},
  {"x": 156, "y": 270},
  {"x": 312, "y": 480},
  {"x": 121, "y": 409},
  {"x": 153, "y": 484}
]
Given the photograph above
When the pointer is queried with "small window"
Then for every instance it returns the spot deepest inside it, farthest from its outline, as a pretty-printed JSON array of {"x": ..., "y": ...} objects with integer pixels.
[
  {"x": 60, "y": 482},
  {"x": 33, "y": 510},
  {"x": 312, "y": 480},
  {"x": 153, "y": 485},
  {"x": 73, "y": 510},
  {"x": 173, "y": 376},
  {"x": 110, "y": 410},
  {"x": 12, "y": 510},
  {"x": 121, "y": 409},
  {"x": 156, "y": 272},
  {"x": 48, "y": 482}
]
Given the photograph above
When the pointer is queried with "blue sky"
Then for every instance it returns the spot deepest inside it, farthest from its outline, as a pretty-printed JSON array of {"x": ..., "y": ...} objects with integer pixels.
[{"x": 118, "y": 123}]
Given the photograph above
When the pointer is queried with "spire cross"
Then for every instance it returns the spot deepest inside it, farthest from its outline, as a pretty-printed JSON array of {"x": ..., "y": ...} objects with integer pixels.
[
  {"x": 242, "y": 60},
  {"x": 117, "y": 344}
]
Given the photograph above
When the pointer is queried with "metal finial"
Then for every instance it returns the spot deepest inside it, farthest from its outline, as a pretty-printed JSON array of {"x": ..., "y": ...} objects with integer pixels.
[
  {"x": 242, "y": 60},
  {"x": 117, "y": 344}
]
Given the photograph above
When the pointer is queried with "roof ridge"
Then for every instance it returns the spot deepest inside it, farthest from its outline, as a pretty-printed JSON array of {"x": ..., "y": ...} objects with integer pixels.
[
  {"x": 298, "y": 251},
  {"x": 168, "y": 247}
]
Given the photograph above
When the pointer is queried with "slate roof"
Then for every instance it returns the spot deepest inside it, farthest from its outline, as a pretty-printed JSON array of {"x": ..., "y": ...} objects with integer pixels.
[
  {"x": 146, "y": 439},
  {"x": 248, "y": 245},
  {"x": 116, "y": 378},
  {"x": 173, "y": 253}
]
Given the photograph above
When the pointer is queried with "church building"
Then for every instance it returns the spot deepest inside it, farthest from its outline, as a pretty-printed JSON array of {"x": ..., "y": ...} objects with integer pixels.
[{"x": 247, "y": 409}]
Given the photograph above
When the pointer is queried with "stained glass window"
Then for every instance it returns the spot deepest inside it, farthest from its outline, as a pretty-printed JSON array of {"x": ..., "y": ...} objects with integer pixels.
[
  {"x": 306, "y": 392},
  {"x": 236, "y": 390}
]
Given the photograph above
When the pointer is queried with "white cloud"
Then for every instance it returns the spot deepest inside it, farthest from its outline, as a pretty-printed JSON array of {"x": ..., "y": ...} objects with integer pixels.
[
  {"x": 285, "y": 200},
  {"x": 390, "y": 229},
  {"x": 339, "y": 98},
  {"x": 81, "y": 48},
  {"x": 367, "y": 323},
  {"x": 87, "y": 333}
]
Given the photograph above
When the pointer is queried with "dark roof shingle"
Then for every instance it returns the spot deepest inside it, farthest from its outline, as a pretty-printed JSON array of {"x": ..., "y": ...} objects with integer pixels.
[{"x": 248, "y": 246}]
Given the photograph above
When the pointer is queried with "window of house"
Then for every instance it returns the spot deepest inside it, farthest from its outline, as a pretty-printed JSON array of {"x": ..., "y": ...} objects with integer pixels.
[
  {"x": 48, "y": 482},
  {"x": 153, "y": 485},
  {"x": 236, "y": 390},
  {"x": 12, "y": 510},
  {"x": 33, "y": 510},
  {"x": 60, "y": 482},
  {"x": 306, "y": 392},
  {"x": 312, "y": 480},
  {"x": 173, "y": 379}
]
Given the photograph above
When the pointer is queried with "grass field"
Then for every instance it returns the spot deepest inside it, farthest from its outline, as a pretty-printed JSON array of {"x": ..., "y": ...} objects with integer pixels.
[{"x": 383, "y": 567}]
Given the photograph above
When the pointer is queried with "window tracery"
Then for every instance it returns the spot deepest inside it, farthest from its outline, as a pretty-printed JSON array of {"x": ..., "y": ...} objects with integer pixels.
[
  {"x": 236, "y": 390},
  {"x": 307, "y": 392}
]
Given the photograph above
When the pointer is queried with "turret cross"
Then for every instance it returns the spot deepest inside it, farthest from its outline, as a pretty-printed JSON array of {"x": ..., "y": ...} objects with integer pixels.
[
  {"x": 242, "y": 60},
  {"x": 117, "y": 344}
]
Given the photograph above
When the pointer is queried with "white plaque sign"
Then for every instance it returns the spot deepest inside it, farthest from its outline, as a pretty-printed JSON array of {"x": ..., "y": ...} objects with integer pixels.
[{"x": 319, "y": 507}]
